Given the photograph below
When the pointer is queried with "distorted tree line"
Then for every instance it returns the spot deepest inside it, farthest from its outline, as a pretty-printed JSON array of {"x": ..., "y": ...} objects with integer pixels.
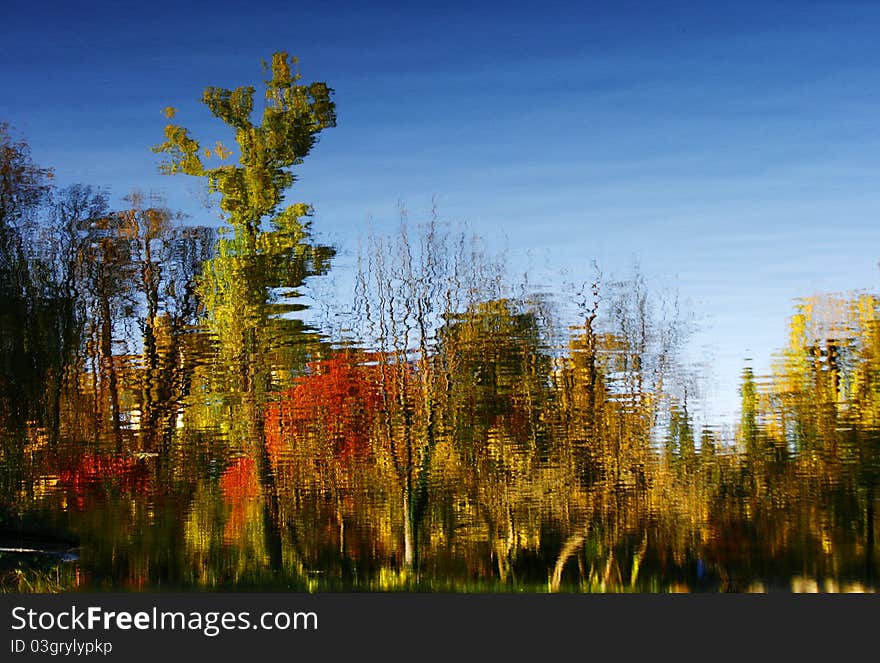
[
  {"x": 159, "y": 385},
  {"x": 87, "y": 292}
]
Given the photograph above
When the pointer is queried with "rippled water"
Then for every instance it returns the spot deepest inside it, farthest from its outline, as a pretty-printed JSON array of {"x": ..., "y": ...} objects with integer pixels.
[{"x": 169, "y": 421}]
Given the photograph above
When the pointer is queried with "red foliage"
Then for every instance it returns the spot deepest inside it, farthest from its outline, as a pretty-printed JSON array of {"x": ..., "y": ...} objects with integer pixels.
[
  {"x": 337, "y": 401},
  {"x": 92, "y": 475}
]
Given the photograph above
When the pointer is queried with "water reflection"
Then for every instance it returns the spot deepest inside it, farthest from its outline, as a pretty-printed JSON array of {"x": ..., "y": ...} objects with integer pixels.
[
  {"x": 167, "y": 423},
  {"x": 181, "y": 442}
]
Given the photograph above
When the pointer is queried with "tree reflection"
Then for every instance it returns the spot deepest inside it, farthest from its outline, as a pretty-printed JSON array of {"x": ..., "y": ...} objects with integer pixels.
[{"x": 164, "y": 403}]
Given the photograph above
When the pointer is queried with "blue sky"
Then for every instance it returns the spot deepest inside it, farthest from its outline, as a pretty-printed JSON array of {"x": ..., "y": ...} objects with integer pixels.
[{"x": 731, "y": 149}]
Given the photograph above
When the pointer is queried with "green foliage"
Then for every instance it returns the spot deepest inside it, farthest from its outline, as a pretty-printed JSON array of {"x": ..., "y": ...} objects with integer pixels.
[
  {"x": 293, "y": 115},
  {"x": 460, "y": 446}
]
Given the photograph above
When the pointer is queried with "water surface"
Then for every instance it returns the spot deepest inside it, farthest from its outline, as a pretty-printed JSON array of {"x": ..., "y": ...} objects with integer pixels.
[{"x": 169, "y": 421}]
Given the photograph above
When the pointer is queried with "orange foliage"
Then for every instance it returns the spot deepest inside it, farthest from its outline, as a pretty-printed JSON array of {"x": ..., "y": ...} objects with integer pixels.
[
  {"x": 239, "y": 482},
  {"x": 338, "y": 402},
  {"x": 240, "y": 485}
]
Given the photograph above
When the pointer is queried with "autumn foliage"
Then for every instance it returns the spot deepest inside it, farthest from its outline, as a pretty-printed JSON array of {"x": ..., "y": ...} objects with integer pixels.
[
  {"x": 240, "y": 486},
  {"x": 92, "y": 475},
  {"x": 336, "y": 402}
]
